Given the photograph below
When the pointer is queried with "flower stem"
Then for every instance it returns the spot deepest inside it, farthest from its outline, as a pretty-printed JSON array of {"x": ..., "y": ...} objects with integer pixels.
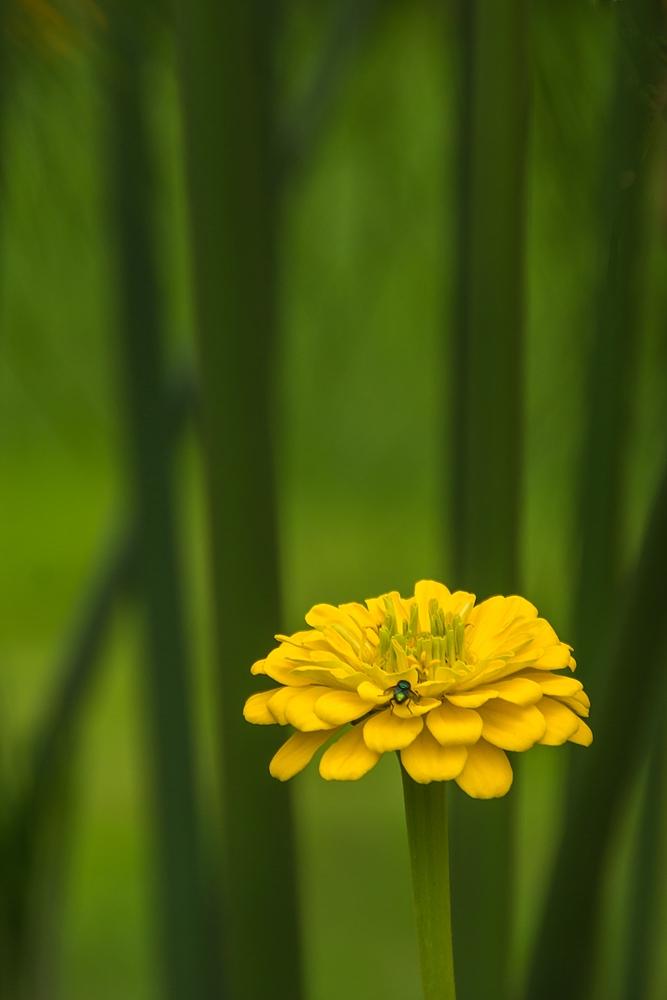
[{"x": 426, "y": 818}]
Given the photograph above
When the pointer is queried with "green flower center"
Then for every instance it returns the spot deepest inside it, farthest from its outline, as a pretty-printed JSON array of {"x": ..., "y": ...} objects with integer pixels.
[{"x": 443, "y": 646}]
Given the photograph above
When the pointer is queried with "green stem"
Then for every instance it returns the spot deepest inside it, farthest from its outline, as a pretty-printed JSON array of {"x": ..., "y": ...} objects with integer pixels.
[
  {"x": 572, "y": 910},
  {"x": 646, "y": 889},
  {"x": 228, "y": 54},
  {"x": 426, "y": 818},
  {"x": 189, "y": 965},
  {"x": 487, "y": 427}
]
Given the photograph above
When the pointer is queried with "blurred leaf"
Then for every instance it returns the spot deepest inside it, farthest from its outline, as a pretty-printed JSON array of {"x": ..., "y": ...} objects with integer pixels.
[
  {"x": 487, "y": 401},
  {"x": 189, "y": 967},
  {"x": 613, "y": 353},
  {"x": 644, "y": 900},
  {"x": 227, "y": 55},
  {"x": 563, "y": 958}
]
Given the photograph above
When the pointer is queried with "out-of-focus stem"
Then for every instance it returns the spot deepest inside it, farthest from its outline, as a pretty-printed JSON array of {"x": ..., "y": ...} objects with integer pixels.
[
  {"x": 159, "y": 578},
  {"x": 565, "y": 951},
  {"x": 612, "y": 357},
  {"x": 227, "y": 58},
  {"x": 426, "y": 818},
  {"x": 646, "y": 885},
  {"x": 27, "y": 821},
  {"x": 487, "y": 408}
]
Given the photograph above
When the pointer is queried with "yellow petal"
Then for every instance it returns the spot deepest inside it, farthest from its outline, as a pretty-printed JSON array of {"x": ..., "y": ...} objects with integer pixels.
[
  {"x": 376, "y": 610},
  {"x": 472, "y": 699},
  {"x": 279, "y": 668},
  {"x": 518, "y": 690},
  {"x": 561, "y": 722},
  {"x": 583, "y": 735},
  {"x": 349, "y": 758},
  {"x": 326, "y": 615},
  {"x": 374, "y": 694},
  {"x": 554, "y": 684},
  {"x": 363, "y": 618},
  {"x": 450, "y": 724},
  {"x": 279, "y": 701},
  {"x": 425, "y": 592},
  {"x": 258, "y": 667},
  {"x": 431, "y": 689},
  {"x": 256, "y": 710},
  {"x": 460, "y": 603},
  {"x": 426, "y": 760},
  {"x": 385, "y": 731},
  {"x": 411, "y": 708},
  {"x": 297, "y": 752},
  {"x": 341, "y": 707},
  {"x": 493, "y": 616},
  {"x": 401, "y": 607},
  {"x": 487, "y": 773},
  {"x": 300, "y": 710},
  {"x": 512, "y": 727},
  {"x": 343, "y": 678},
  {"x": 579, "y": 703},
  {"x": 554, "y": 658}
]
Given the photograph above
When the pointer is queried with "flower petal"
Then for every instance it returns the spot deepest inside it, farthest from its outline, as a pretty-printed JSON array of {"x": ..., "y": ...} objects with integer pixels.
[
  {"x": 472, "y": 699},
  {"x": 487, "y": 773},
  {"x": 343, "y": 678},
  {"x": 279, "y": 667},
  {"x": 374, "y": 694},
  {"x": 554, "y": 658},
  {"x": 299, "y": 710},
  {"x": 341, "y": 707},
  {"x": 277, "y": 704},
  {"x": 258, "y": 667},
  {"x": 327, "y": 615},
  {"x": 411, "y": 708},
  {"x": 427, "y": 760},
  {"x": 349, "y": 758},
  {"x": 425, "y": 592},
  {"x": 385, "y": 731},
  {"x": 580, "y": 703},
  {"x": 554, "y": 684},
  {"x": 512, "y": 727},
  {"x": 561, "y": 722},
  {"x": 256, "y": 710},
  {"x": 358, "y": 613},
  {"x": 296, "y": 753},
  {"x": 583, "y": 735},
  {"x": 450, "y": 724},
  {"x": 518, "y": 690}
]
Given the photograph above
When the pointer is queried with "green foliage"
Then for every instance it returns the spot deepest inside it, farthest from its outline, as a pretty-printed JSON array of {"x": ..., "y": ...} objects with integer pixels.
[{"x": 364, "y": 434}]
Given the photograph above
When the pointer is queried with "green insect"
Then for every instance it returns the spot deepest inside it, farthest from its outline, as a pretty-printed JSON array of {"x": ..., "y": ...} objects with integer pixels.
[{"x": 402, "y": 692}]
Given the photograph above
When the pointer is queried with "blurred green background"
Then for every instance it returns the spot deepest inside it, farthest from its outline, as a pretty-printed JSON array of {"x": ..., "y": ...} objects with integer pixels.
[{"x": 364, "y": 374}]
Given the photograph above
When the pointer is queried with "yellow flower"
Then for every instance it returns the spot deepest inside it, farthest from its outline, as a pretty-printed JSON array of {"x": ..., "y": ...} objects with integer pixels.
[{"x": 450, "y": 685}]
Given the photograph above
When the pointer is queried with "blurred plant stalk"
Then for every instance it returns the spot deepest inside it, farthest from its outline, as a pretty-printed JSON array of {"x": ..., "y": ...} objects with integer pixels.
[
  {"x": 564, "y": 956},
  {"x": 141, "y": 332},
  {"x": 34, "y": 822},
  {"x": 227, "y": 59},
  {"x": 487, "y": 422},
  {"x": 613, "y": 352},
  {"x": 606, "y": 618},
  {"x": 426, "y": 817}
]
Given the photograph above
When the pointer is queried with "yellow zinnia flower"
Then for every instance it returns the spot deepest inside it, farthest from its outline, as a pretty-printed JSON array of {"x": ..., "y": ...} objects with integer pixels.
[{"x": 450, "y": 685}]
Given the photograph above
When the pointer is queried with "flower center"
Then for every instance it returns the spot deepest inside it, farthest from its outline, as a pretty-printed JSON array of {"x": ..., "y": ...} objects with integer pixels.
[{"x": 443, "y": 646}]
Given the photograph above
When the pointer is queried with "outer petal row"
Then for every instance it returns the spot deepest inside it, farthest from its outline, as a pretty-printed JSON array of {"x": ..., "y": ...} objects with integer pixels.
[
  {"x": 426, "y": 760},
  {"x": 296, "y": 753}
]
